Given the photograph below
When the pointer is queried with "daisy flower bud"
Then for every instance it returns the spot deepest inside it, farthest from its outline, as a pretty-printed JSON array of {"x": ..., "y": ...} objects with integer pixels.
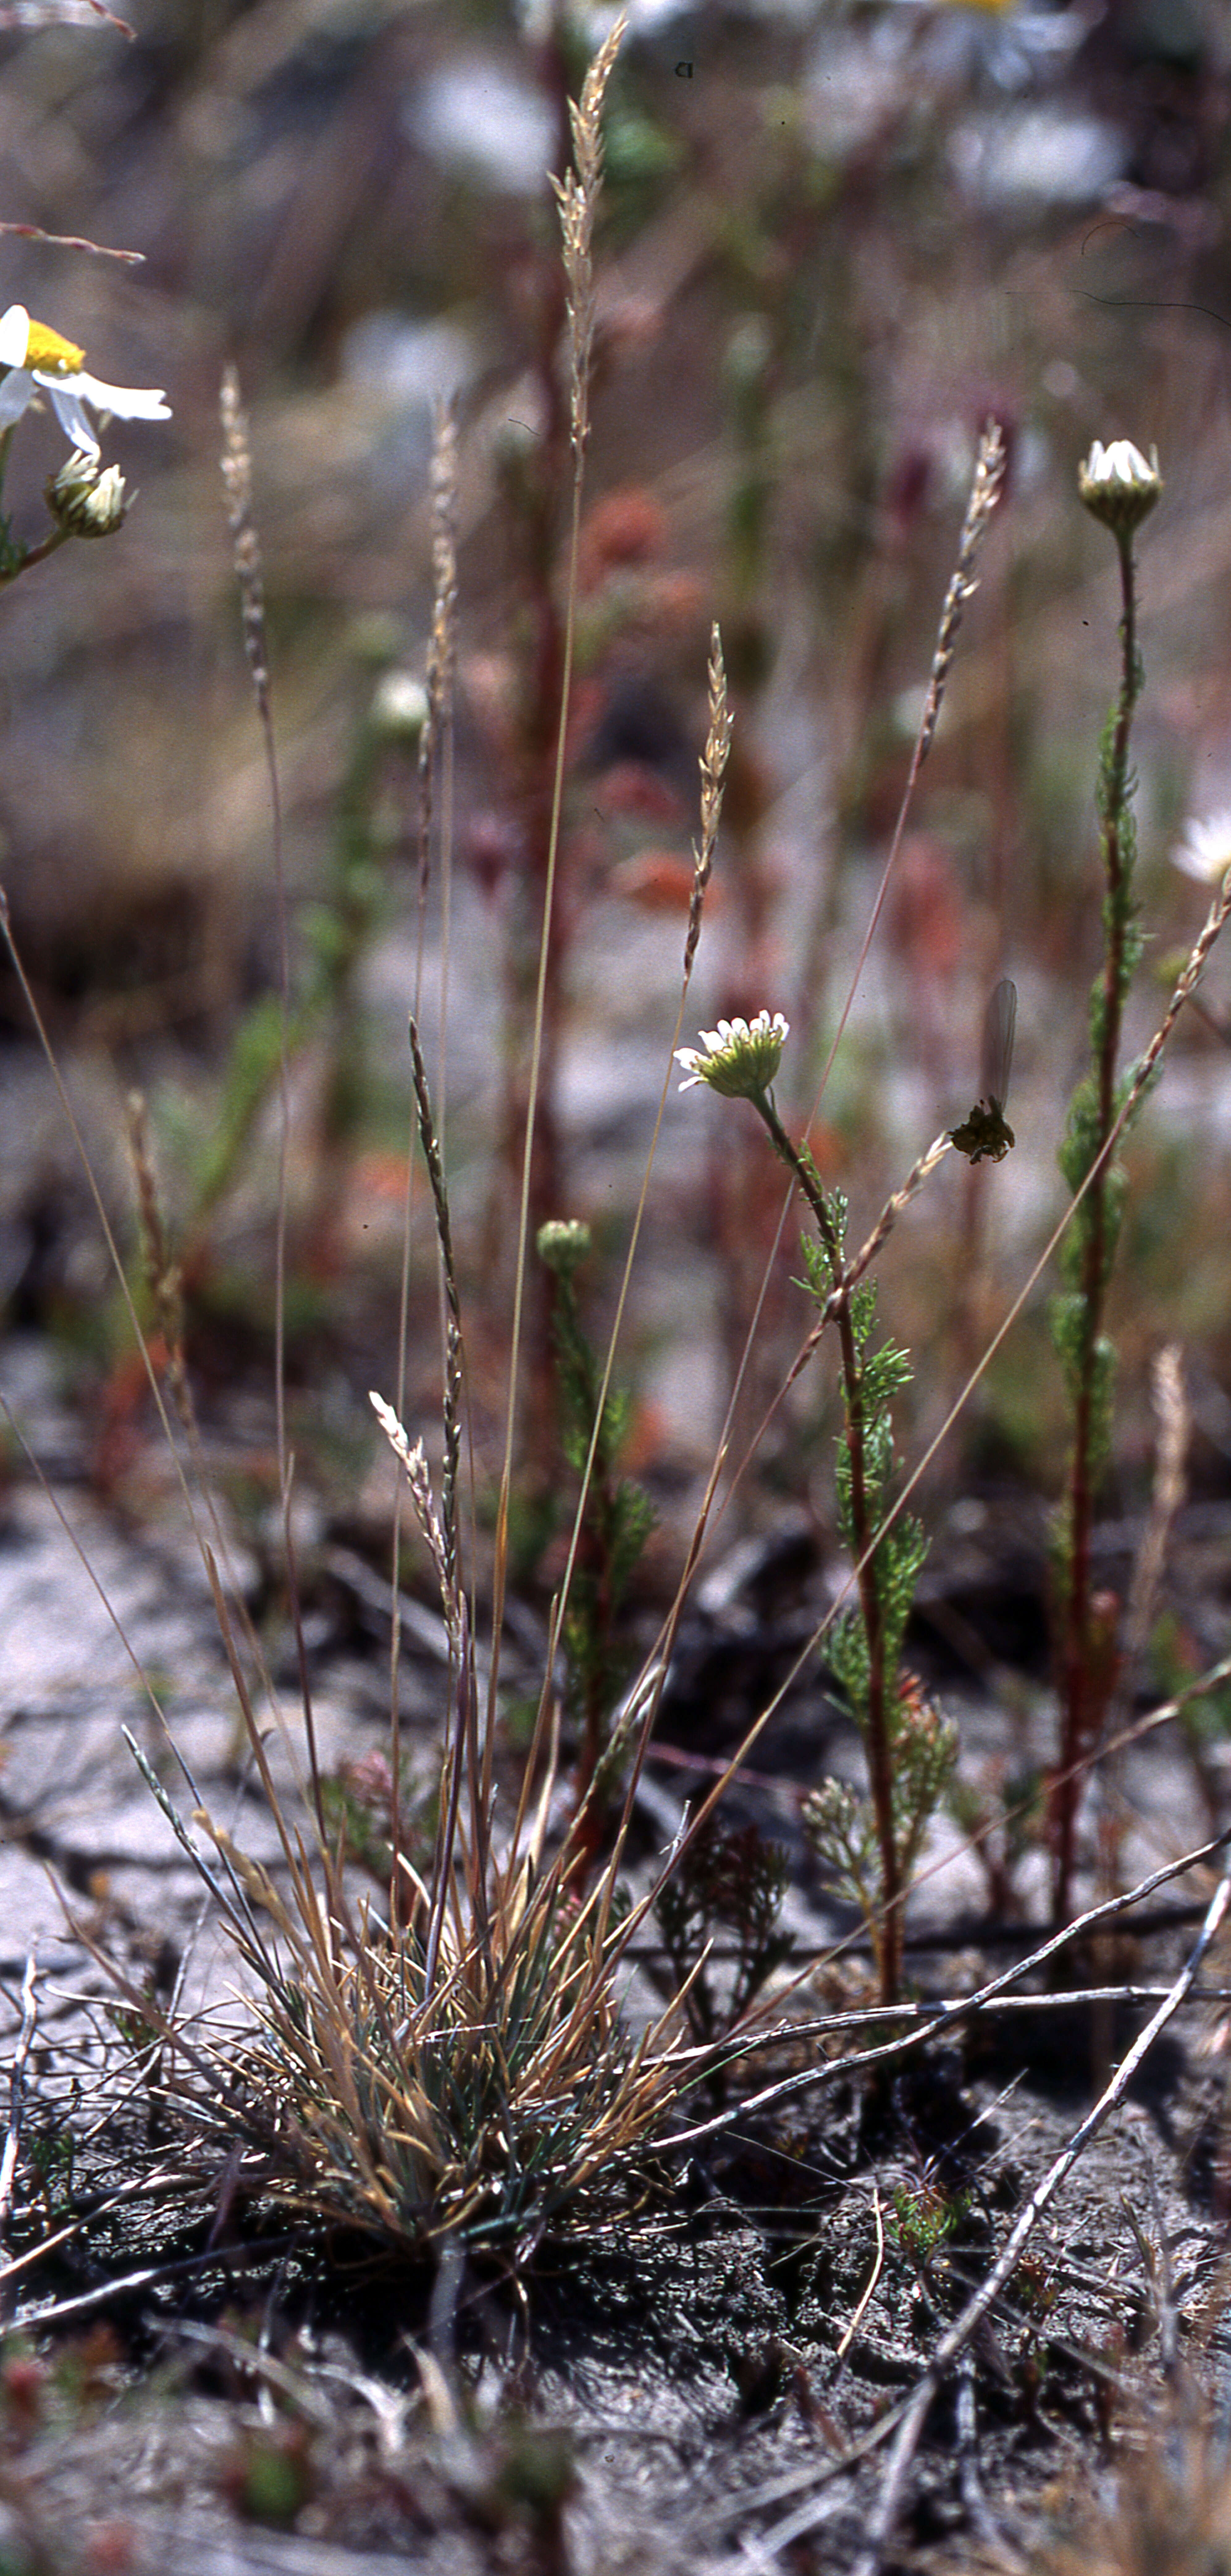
[
  {"x": 399, "y": 708},
  {"x": 84, "y": 502},
  {"x": 1118, "y": 486},
  {"x": 743, "y": 1057},
  {"x": 563, "y": 1243}
]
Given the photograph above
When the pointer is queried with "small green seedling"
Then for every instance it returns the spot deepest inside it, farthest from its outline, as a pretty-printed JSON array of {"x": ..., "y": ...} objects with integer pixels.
[{"x": 986, "y": 1133}]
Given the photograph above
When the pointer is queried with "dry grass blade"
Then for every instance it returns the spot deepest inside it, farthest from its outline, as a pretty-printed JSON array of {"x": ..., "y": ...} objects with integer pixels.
[
  {"x": 1171, "y": 2507},
  {"x": 70, "y": 241},
  {"x": 456, "y": 2047},
  {"x": 461, "y": 2070}
]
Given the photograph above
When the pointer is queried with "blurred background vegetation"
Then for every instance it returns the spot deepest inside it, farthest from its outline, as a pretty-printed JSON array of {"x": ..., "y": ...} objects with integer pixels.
[{"x": 836, "y": 236}]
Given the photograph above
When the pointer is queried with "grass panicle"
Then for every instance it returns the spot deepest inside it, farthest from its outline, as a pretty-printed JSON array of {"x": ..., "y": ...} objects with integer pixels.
[
  {"x": 245, "y": 540},
  {"x": 986, "y": 489},
  {"x": 985, "y": 492},
  {"x": 578, "y": 195},
  {"x": 714, "y": 759}
]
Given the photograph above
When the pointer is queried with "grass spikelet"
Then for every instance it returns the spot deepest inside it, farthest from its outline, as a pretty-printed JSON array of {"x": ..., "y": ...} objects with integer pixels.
[
  {"x": 443, "y": 484},
  {"x": 453, "y": 1312},
  {"x": 246, "y": 545},
  {"x": 713, "y": 778},
  {"x": 578, "y": 194},
  {"x": 442, "y": 641},
  {"x": 985, "y": 492},
  {"x": 414, "y": 1461}
]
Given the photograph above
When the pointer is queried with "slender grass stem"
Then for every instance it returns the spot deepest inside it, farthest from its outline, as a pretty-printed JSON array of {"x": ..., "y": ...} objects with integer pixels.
[{"x": 578, "y": 197}]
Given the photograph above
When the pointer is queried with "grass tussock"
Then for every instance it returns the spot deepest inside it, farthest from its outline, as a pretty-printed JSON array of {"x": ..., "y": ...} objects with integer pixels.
[{"x": 466, "y": 2072}]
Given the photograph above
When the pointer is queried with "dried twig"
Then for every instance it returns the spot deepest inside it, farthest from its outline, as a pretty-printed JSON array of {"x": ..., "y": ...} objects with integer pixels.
[
  {"x": 71, "y": 241},
  {"x": 217, "y": 2258}
]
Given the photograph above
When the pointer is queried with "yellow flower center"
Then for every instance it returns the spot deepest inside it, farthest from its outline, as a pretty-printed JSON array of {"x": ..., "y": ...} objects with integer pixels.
[{"x": 48, "y": 349}]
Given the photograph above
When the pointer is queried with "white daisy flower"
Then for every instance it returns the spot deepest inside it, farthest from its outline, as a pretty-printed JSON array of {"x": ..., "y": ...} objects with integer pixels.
[
  {"x": 1119, "y": 462},
  {"x": 743, "y": 1057},
  {"x": 39, "y": 360},
  {"x": 1205, "y": 851}
]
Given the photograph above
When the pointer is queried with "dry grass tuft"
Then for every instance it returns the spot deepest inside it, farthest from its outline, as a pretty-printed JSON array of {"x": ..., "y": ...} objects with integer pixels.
[
  {"x": 1167, "y": 2514},
  {"x": 479, "y": 2086}
]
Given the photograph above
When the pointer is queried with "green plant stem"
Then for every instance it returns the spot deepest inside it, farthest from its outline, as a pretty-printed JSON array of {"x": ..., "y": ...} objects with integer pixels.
[
  {"x": 34, "y": 555},
  {"x": 878, "y": 1747},
  {"x": 1082, "y": 1666}
]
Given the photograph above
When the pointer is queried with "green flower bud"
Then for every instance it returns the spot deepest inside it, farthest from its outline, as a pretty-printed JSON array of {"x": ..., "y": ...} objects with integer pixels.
[
  {"x": 563, "y": 1244},
  {"x": 399, "y": 709}
]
